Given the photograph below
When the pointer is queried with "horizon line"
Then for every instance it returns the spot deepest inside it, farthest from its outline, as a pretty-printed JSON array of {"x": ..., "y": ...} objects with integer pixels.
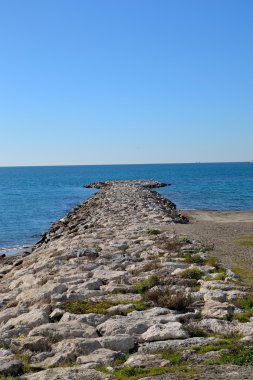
[{"x": 113, "y": 164}]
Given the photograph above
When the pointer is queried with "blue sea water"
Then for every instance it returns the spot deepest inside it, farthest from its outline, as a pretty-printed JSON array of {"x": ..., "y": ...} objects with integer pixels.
[{"x": 31, "y": 198}]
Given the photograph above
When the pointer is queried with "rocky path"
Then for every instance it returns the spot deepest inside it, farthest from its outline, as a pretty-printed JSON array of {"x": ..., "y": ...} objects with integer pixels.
[{"x": 112, "y": 292}]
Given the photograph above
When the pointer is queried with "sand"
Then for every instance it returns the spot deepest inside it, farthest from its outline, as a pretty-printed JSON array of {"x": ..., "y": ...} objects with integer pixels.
[{"x": 222, "y": 229}]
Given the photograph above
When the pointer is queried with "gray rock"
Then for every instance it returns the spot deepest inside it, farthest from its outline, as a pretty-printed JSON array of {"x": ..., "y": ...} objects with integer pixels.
[
  {"x": 100, "y": 356},
  {"x": 91, "y": 319},
  {"x": 171, "y": 330},
  {"x": 215, "y": 309},
  {"x": 33, "y": 343},
  {"x": 8, "y": 364},
  {"x": 216, "y": 326},
  {"x": 56, "y": 313},
  {"x": 107, "y": 274},
  {"x": 32, "y": 319},
  {"x": 175, "y": 344},
  {"x": 123, "y": 342},
  {"x": 123, "y": 325},
  {"x": 73, "y": 373},
  {"x": 146, "y": 361},
  {"x": 215, "y": 295},
  {"x": 12, "y": 312},
  {"x": 60, "y": 331},
  {"x": 120, "y": 308},
  {"x": 245, "y": 329}
]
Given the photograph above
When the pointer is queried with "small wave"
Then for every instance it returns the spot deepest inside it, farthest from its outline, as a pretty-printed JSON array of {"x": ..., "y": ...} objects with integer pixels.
[{"x": 15, "y": 249}]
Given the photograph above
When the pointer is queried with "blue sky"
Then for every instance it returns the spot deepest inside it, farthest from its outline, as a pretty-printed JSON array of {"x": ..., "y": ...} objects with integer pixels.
[{"x": 125, "y": 81}]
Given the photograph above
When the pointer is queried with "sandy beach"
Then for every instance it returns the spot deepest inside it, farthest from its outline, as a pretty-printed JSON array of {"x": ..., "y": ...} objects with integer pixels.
[{"x": 222, "y": 229}]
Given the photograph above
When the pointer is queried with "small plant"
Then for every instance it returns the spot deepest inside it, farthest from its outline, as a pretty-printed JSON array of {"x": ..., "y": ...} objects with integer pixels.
[
  {"x": 120, "y": 360},
  {"x": 151, "y": 265},
  {"x": 195, "y": 288},
  {"x": 236, "y": 356},
  {"x": 138, "y": 305},
  {"x": 169, "y": 244},
  {"x": 173, "y": 356},
  {"x": 194, "y": 259},
  {"x": 225, "y": 343},
  {"x": 4, "y": 345},
  {"x": 218, "y": 277},
  {"x": 243, "y": 317},
  {"x": 244, "y": 273},
  {"x": 146, "y": 284},
  {"x": 163, "y": 297},
  {"x": 24, "y": 359},
  {"x": 213, "y": 262},
  {"x": 86, "y": 307},
  {"x": 192, "y": 273},
  {"x": 152, "y": 231},
  {"x": 194, "y": 330},
  {"x": 245, "y": 240},
  {"x": 100, "y": 307},
  {"x": 185, "y": 239},
  {"x": 245, "y": 303}
]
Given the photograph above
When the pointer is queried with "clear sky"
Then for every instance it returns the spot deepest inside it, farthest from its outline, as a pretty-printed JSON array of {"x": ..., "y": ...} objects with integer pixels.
[{"x": 125, "y": 81}]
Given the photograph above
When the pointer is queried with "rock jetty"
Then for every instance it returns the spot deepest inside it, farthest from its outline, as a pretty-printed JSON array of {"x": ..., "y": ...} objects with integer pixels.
[{"x": 112, "y": 291}]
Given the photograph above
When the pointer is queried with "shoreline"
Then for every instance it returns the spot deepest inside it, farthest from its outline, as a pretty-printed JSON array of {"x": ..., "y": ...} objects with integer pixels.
[
  {"x": 213, "y": 216},
  {"x": 117, "y": 278}
]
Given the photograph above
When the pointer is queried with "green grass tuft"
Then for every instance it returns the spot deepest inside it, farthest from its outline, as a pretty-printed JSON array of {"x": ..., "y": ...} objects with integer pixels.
[
  {"x": 86, "y": 307},
  {"x": 173, "y": 356},
  {"x": 237, "y": 356},
  {"x": 222, "y": 344},
  {"x": 243, "y": 317},
  {"x": 146, "y": 284},
  {"x": 152, "y": 231},
  {"x": 185, "y": 239},
  {"x": 194, "y": 259},
  {"x": 192, "y": 273},
  {"x": 218, "y": 277},
  {"x": 245, "y": 303},
  {"x": 245, "y": 240},
  {"x": 194, "y": 330},
  {"x": 100, "y": 307},
  {"x": 133, "y": 373}
]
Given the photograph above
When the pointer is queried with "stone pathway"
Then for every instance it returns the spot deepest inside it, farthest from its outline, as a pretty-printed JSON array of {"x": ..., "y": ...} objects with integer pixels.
[{"x": 111, "y": 288}]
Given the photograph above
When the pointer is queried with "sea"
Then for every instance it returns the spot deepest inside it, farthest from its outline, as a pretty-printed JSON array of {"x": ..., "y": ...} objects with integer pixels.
[{"x": 32, "y": 198}]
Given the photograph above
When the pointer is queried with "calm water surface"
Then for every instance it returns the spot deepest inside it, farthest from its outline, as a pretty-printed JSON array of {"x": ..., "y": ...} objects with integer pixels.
[{"x": 31, "y": 198}]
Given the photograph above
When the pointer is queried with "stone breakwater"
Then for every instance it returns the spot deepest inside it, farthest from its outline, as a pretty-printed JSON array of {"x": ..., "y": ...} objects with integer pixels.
[{"x": 112, "y": 289}]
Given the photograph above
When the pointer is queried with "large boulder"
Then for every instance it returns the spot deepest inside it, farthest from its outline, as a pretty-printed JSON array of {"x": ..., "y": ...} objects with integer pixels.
[
  {"x": 171, "y": 330},
  {"x": 215, "y": 309},
  {"x": 216, "y": 326},
  {"x": 32, "y": 319},
  {"x": 122, "y": 342},
  {"x": 123, "y": 325},
  {"x": 60, "y": 331},
  {"x": 100, "y": 356}
]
